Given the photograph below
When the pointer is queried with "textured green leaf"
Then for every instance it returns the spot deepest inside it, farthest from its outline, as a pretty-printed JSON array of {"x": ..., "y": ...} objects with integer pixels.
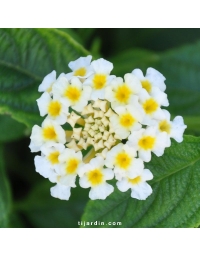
[
  {"x": 44, "y": 211},
  {"x": 10, "y": 129},
  {"x": 175, "y": 201},
  {"x": 26, "y": 56},
  {"x": 5, "y": 198}
]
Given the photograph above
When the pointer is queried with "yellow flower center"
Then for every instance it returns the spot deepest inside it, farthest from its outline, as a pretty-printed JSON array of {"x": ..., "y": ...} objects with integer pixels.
[
  {"x": 53, "y": 157},
  {"x": 146, "y": 85},
  {"x": 72, "y": 165},
  {"x": 123, "y": 93},
  {"x": 73, "y": 93},
  {"x": 123, "y": 160},
  {"x": 126, "y": 120},
  {"x": 146, "y": 142},
  {"x": 150, "y": 106},
  {"x": 95, "y": 177},
  {"x": 99, "y": 81},
  {"x": 136, "y": 180},
  {"x": 164, "y": 126},
  {"x": 80, "y": 72},
  {"x": 54, "y": 108},
  {"x": 49, "y": 133}
]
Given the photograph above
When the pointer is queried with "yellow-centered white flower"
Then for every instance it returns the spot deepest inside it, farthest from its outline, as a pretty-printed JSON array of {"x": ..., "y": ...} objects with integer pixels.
[
  {"x": 73, "y": 94},
  {"x": 127, "y": 120},
  {"x": 80, "y": 68},
  {"x": 66, "y": 172},
  {"x": 123, "y": 159},
  {"x": 48, "y": 82},
  {"x": 94, "y": 175},
  {"x": 174, "y": 129},
  {"x": 53, "y": 108},
  {"x": 100, "y": 79},
  {"x": 152, "y": 79},
  {"x": 122, "y": 93},
  {"x": 148, "y": 140},
  {"x": 140, "y": 189},
  {"x": 70, "y": 164},
  {"x": 45, "y": 164},
  {"x": 151, "y": 107},
  {"x": 49, "y": 132}
]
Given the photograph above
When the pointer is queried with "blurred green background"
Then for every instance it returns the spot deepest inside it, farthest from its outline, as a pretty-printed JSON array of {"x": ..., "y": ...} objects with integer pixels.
[{"x": 27, "y": 55}]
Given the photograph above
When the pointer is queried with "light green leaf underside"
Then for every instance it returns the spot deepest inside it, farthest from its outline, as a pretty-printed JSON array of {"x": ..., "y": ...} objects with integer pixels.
[
  {"x": 175, "y": 201},
  {"x": 26, "y": 56},
  {"x": 5, "y": 196}
]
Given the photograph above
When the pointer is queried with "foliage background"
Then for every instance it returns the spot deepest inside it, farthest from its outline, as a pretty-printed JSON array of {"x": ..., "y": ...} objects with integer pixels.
[{"x": 27, "y": 55}]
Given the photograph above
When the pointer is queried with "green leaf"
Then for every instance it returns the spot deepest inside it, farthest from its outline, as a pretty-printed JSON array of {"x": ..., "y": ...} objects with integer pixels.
[
  {"x": 193, "y": 123},
  {"x": 128, "y": 60},
  {"x": 10, "y": 129},
  {"x": 5, "y": 196},
  {"x": 181, "y": 68},
  {"x": 85, "y": 33},
  {"x": 175, "y": 201},
  {"x": 26, "y": 56},
  {"x": 73, "y": 34},
  {"x": 44, "y": 211}
]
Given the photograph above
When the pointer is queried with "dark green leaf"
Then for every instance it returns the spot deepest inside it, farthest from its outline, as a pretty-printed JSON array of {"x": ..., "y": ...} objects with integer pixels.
[
  {"x": 181, "y": 67},
  {"x": 175, "y": 201},
  {"x": 73, "y": 34},
  {"x": 5, "y": 196},
  {"x": 85, "y": 33},
  {"x": 10, "y": 129},
  {"x": 26, "y": 56},
  {"x": 44, "y": 211},
  {"x": 126, "y": 61}
]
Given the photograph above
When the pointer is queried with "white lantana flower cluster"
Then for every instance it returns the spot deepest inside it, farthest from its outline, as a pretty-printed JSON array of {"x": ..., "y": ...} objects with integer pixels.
[{"x": 116, "y": 122}]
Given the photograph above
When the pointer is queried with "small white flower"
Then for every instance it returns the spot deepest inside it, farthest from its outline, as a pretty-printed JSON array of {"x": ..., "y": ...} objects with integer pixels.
[
  {"x": 174, "y": 129},
  {"x": 65, "y": 173},
  {"x": 70, "y": 164},
  {"x": 100, "y": 79},
  {"x": 121, "y": 93},
  {"x": 148, "y": 140},
  {"x": 122, "y": 159},
  {"x": 127, "y": 120},
  {"x": 80, "y": 67},
  {"x": 151, "y": 107},
  {"x": 45, "y": 164},
  {"x": 140, "y": 189},
  {"x": 94, "y": 175},
  {"x": 73, "y": 94},
  {"x": 152, "y": 79},
  {"x": 49, "y": 132},
  {"x": 48, "y": 82},
  {"x": 61, "y": 191},
  {"x": 55, "y": 108}
]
